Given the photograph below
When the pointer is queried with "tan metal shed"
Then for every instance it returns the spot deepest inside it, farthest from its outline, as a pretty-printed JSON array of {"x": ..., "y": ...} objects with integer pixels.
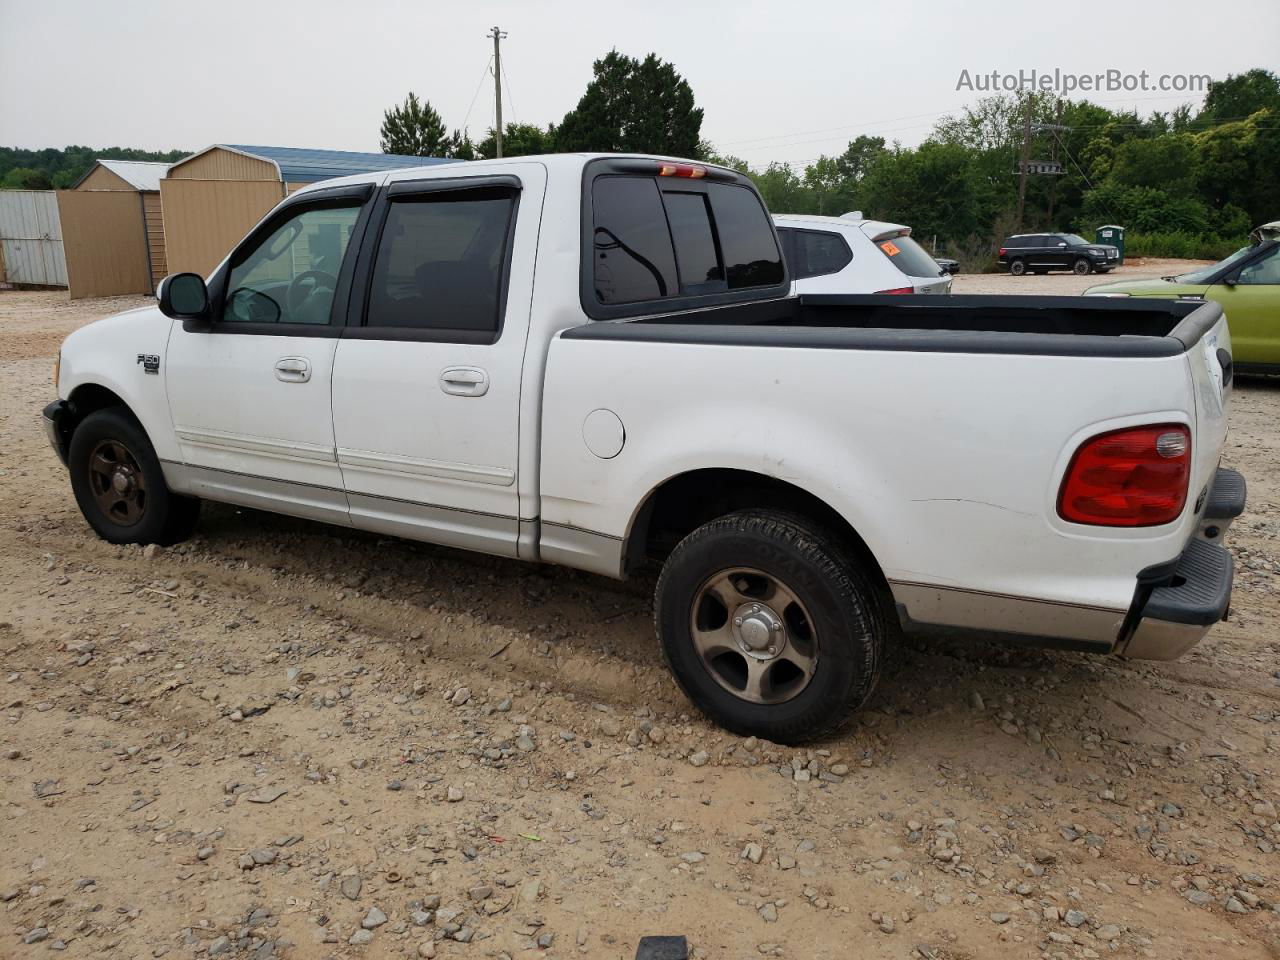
[
  {"x": 212, "y": 198},
  {"x": 114, "y": 229}
]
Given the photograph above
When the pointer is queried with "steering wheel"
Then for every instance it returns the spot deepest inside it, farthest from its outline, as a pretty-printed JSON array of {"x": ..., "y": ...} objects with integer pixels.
[{"x": 300, "y": 290}]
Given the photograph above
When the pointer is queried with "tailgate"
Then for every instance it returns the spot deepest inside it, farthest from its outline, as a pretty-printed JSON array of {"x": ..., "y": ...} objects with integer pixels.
[{"x": 1211, "y": 374}]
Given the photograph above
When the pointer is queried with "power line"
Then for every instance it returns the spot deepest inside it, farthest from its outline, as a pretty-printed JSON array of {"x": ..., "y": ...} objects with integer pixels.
[
  {"x": 848, "y": 126},
  {"x": 1072, "y": 158},
  {"x": 484, "y": 73},
  {"x": 506, "y": 78}
]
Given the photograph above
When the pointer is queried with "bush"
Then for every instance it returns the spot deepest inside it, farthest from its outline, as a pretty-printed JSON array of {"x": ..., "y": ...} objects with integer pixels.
[
  {"x": 1180, "y": 245},
  {"x": 1145, "y": 209}
]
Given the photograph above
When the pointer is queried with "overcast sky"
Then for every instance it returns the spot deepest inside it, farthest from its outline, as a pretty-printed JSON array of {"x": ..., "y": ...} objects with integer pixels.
[{"x": 778, "y": 80}]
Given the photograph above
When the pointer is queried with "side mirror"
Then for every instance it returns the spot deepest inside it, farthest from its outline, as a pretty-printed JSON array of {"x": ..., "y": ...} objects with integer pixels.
[
  {"x": 1061, "y": 243},
  {"x": 1231, "y": 279},
  {"x": 183, "y": 296}
]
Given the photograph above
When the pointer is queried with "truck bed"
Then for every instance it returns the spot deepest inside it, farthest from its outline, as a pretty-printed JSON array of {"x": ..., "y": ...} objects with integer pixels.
[{"x": 1043, "y": 326}]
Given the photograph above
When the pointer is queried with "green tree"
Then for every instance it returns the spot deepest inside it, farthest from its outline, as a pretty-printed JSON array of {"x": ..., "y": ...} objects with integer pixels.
[
  {"x": 1240, "y": 96},
  {"x": 25, "y": 178},
  {"x": 1146, "y": 209},
  {"x": 633, "y": 106},
  {"x": 518, "y": 140},
  {"x": 415, "y": 129},
  {"x": 1236, "y": 163},
  {"x": 62, "y": 168},
  {"x": 783, "y": 190},
  {"x": 1165, "y": 162},
  {"x": 933, "y": 189},
  {"x": 858, "y": 156}
]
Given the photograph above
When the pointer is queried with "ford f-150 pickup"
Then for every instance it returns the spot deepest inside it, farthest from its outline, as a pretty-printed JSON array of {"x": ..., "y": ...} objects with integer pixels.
[{"x": 596, "y": 361}]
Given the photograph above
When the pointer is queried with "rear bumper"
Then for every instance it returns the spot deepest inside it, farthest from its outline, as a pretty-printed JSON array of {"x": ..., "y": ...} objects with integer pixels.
[
  {"x": 1172, "y": 614},
  {"x": 56, "y": 419}
]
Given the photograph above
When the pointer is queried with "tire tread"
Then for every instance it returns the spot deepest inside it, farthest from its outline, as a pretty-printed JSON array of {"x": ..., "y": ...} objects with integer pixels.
[{"x": 856, "y": 592}]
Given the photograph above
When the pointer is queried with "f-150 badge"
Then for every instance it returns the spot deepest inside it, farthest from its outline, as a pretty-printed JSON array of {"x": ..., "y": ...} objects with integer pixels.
[{"x": 150, "y": 362}]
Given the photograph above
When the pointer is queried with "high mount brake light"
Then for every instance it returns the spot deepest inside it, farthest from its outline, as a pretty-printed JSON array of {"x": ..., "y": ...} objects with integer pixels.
[
  {"x": 1136, "y": 477},
  {"x": 690, "y": 170}
]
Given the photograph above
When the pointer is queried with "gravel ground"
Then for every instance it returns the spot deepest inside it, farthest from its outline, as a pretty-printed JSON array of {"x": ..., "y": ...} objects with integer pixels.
[
  {"x": 286, "y": 739},
  {"x": 1066, "y": 284}
]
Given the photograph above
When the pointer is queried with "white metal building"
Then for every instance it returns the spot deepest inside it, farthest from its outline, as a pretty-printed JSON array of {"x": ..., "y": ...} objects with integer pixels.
[{"x": 31, "y": 238}]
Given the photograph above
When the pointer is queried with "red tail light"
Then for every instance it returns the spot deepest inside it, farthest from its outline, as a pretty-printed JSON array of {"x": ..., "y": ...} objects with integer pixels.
[
  {"x": 1136, "y": 477},
  {"x": 1002, "y": 250},
  {"x": 899, "y": 290},
  {"x": 691, "y": 170}
]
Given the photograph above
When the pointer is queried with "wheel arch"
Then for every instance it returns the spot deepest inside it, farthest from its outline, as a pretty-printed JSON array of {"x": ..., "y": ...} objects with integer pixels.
[
  {"x": 683, "y": 502},
  {"x": 88, "y": 398}
]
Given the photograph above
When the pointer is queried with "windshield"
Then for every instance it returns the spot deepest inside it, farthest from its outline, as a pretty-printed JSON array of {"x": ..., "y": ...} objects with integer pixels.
[
  {"x": 1204, "y": 274},
  {"x": 1075, "y": 239}
]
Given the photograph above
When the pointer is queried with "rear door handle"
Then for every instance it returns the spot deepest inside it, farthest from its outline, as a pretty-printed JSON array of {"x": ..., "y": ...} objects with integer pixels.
[
  {"x": 293, "y": 369},
  {"x": 464, "y": 381}
]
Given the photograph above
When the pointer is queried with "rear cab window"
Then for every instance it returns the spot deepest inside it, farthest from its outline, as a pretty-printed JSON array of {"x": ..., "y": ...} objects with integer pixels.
[
  {"x": 685, "y": 241},
  {"x": 909, "y": 257}
]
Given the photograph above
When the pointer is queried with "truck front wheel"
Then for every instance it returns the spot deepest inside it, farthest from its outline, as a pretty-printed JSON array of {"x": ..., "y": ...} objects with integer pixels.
[
  {"x": 769, "y": 626},
  {"x": 1081, "y": 267},
  {"x": 119, "y": 485}
]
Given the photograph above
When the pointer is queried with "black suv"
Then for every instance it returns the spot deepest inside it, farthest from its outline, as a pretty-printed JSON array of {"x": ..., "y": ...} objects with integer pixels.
[{"x": 1042, "y": 252}]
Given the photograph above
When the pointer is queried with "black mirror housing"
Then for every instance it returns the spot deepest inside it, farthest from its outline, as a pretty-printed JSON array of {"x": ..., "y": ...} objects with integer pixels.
[{"x": 183, "y": 296}]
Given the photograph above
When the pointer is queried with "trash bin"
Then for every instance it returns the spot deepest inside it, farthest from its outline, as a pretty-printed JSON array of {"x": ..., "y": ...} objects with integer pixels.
[{"x": 1111, "y": 235}]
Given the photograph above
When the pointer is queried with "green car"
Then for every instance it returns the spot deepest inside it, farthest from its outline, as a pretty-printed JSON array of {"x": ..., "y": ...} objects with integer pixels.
[{"x": 1247, "y": 284}]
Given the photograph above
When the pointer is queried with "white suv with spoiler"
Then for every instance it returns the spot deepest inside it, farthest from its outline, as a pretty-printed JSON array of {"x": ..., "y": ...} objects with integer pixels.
[
  {"x": 597, "y": 361},
  {"x": 851, "y": 254}
]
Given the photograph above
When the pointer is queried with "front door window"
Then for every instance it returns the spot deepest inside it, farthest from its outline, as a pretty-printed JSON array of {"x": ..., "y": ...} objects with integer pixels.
[{"x": 290, "y": 277}]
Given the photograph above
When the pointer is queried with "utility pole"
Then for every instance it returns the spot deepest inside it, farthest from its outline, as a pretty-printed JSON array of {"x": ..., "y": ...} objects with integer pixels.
[
  {"x": 1026, "y": 159},
  {"x": 1053, "y": 187},
  {"x": 497, "y": 35}
]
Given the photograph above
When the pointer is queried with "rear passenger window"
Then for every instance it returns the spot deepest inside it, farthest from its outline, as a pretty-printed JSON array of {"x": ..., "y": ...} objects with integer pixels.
[
  {"x": 817, "y": 253},
  {"x": 751, "y": 257},
  {"x": 633, "y": 259},
  {"x": 441, "y": 260}
]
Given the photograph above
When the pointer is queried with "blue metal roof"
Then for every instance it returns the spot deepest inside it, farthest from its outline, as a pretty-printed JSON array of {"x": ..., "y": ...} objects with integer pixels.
[{"x": 302, "y": 165}]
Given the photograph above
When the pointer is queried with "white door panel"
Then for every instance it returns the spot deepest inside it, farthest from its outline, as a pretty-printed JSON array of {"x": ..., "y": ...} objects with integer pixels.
[
  {"x": 401, "y": 435},
  {"x": 233, "y": 411},
  {"x": 426, "y": 414}
]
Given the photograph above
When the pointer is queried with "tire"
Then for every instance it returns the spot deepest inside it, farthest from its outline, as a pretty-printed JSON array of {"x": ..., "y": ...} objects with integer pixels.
[
  {"x": 110, "y": 444},
  {"x": 1082, "y": 267},
  {"x": 831, "y": 615},
  {"x": 1017, "y": 267}
]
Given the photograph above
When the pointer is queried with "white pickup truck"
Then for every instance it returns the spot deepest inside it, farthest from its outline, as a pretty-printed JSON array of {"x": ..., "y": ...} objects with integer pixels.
[{"x": 596, "y": 361}]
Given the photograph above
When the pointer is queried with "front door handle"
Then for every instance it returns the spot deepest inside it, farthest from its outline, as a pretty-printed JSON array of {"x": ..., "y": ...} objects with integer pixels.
[
  {"x": 464, "y": 381},
  {"x": 293, "y": 369}
]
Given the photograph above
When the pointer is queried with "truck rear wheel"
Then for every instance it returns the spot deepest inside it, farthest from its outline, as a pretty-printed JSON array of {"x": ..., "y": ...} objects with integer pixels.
[
  {"x": 1017, "y": 267},
  {"x": 119, "y": 485},
  {"x": 769, "y": 626}
]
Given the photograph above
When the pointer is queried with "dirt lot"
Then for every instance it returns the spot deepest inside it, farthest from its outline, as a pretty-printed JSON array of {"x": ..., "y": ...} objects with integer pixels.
[
  {"x": 285, "y": 739},
  {"x": 1066, "y": 284}
]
